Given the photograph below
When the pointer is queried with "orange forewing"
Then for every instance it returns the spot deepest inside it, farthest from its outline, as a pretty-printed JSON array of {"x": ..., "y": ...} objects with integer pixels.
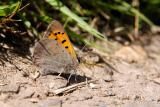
[{"x": 55, "y": 31}]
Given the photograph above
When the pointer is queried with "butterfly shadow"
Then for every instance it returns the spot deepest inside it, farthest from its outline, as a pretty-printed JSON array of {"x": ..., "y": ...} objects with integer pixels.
[{"x": 74, "y": 78}]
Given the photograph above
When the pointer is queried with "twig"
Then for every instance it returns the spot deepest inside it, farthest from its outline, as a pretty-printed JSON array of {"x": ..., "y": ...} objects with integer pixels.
[
  {"x": 24, "y": 7},
  {"x": 9, "y": 18},
  {"x": 72, "y": 87}
]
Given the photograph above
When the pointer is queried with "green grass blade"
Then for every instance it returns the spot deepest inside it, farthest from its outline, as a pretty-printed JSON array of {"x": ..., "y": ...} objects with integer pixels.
[
  {"x": 125, "y": 8},
  {"x": 81, "y": 23},
  {"x": 8, "y": 9},
  {"x": 135, "y": 12}
]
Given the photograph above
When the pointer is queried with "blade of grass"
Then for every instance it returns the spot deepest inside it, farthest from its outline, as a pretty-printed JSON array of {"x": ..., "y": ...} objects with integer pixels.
[
  {"x": 135, "y": 12},
  {"x": 124, "y": 8},
  {"x": 81, "y": 23},
  {"x": 9, "y": 9}
]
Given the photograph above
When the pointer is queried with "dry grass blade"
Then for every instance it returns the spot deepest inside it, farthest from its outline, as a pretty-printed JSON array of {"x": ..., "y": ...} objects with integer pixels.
[{"x": 72, "y": 87}]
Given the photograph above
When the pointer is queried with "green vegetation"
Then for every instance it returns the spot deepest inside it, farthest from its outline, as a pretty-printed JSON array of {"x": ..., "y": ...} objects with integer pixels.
[{"x": 104, "y": 19}]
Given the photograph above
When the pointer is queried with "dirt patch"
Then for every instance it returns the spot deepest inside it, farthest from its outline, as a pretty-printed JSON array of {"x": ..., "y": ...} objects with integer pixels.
[{"x": 136, "y": 84}]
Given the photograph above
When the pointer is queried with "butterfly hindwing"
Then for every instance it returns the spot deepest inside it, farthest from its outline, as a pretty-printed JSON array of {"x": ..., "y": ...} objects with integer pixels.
[{"x": 51, "y": 57}]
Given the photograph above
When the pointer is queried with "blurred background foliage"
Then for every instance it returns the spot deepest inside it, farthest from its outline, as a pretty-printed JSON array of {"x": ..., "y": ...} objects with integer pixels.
[{"x": 86, "y": 21}]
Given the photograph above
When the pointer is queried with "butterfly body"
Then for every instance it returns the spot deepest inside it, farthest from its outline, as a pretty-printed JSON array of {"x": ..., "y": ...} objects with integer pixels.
[{"x": 54, "y": 53}]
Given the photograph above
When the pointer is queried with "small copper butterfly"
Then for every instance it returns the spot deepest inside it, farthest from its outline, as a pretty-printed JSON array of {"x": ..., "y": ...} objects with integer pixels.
[{"x": 54, "y": 53}]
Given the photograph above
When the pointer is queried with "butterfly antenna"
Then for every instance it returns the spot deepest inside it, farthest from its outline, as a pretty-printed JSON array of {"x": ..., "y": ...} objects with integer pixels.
[{"x": 90, "y": 39}]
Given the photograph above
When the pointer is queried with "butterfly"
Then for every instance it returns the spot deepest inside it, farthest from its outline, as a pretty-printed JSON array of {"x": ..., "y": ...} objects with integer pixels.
[{"x": 54, "y": 53}]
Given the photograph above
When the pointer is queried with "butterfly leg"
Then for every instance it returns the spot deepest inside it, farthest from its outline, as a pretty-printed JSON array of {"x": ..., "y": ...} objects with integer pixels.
[
  {"x": 75, "y": 77},
  {"x": 60, "y": 74},
  {"x": 69, "y": 77}
]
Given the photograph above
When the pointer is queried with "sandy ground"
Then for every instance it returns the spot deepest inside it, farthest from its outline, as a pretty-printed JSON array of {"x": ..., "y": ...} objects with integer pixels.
[{"x": 136, "y": 83}]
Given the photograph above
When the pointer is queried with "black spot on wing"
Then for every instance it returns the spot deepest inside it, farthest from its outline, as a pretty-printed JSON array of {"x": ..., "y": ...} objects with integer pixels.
[
  {"x": 49, "y": 33},
  {"x": 55, "y": 33},
  {"x": 63, "y": 41},
  {"x": 66, "y": 47}
]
